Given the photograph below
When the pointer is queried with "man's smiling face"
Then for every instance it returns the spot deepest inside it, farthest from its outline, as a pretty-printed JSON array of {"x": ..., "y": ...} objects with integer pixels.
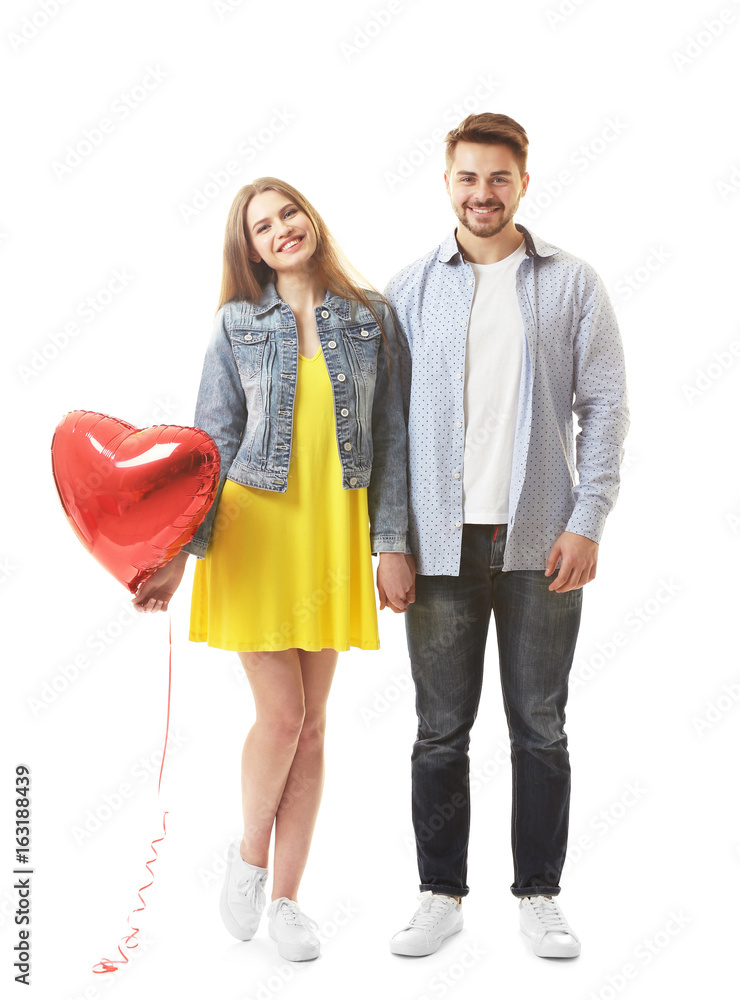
[{"x": 484, "y": 185}]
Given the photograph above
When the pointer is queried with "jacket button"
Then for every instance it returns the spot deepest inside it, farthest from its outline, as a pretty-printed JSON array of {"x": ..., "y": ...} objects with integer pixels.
[
  {"x": 341, "y": 376},
  {"x": 324, "y": 313},
  {"x": 332, "y": 343},
  {"x": 344, "y": 412},
  {"x": 248, "y": 336},
  {"x": 353, "y": 480},
  {"x": 347, "y": 446},
  {"x": 363, "y": 333}
]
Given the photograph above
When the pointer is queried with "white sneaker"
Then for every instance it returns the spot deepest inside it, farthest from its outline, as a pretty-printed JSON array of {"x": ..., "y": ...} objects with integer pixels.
[
  {"x": 242, "y": 894},
  {"x": 437, "y": 918},
  {"x": 542, "y": 921},
  {"x": 293, "y": 930}
]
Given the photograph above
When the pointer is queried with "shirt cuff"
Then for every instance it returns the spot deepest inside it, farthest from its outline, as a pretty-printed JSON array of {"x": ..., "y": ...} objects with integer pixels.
[{"x": 587, "y": 521}]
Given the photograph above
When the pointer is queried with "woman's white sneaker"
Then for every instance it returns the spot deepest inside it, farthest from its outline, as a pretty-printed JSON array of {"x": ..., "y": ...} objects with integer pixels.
[
  {"x": 293, "y": 930},
  {"x": 542, "y": 921},
  {"x": 242, "y": 894},
  {"x": 437, "y": 918}
]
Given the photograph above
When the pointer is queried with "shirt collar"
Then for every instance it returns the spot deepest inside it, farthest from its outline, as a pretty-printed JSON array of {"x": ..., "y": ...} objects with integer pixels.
[
  {"x": 533, "y": 245},
  {"x": 270, "y": 298}
]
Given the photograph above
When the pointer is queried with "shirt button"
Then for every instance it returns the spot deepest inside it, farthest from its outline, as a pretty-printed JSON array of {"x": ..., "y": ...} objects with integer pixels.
[
  {"x": 470, "y": 281},
  {"x": 459, "y": 423},
  {"x": 324, "y": 313},
  {"x": 332, "y": 343},
  {"x": 457, "y": 524},
  {"x": 344, "y": 412},
  {"x": 459, "y": 375},
  {"x": 341, "y": 376},
  {"x": 463, "y": 322},
  {"x": 457, "y": 475},
  {"x": 353, "y": 480},
  {"x": 347, "y": 446}
]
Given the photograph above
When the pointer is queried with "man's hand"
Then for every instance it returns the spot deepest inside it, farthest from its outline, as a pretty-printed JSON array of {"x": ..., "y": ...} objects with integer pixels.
[
  {"x": 578, "y": 556},
  {"x": 395, "y": 580}
]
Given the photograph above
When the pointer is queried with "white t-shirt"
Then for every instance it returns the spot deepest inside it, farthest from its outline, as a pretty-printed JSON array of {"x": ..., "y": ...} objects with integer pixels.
[{"x": 493, "y": 367}]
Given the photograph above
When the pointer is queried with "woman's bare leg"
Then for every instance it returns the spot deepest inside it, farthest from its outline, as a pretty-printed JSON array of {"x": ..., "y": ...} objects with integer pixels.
[
  {"x": 276, "y": 680},
  {"x": 299, "y": 805}
]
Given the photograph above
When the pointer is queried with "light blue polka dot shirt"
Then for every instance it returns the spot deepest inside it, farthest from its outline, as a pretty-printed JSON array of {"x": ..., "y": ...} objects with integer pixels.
[{"x": 572, "y": 363}]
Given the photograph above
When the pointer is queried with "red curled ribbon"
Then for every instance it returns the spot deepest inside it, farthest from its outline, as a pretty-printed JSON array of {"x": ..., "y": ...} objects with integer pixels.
[{"x": 110, "y": 964}]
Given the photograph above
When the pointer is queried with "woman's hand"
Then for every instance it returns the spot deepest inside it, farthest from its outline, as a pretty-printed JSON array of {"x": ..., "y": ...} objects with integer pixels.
[
  {"x": 396, "y": 580},
  {"x": 155, "y": 593}
]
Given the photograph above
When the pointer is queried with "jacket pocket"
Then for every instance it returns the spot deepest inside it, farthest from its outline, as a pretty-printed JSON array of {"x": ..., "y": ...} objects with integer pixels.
[
  {"x": 249, "y": 349},
  {"x": 364, "y": 341}
]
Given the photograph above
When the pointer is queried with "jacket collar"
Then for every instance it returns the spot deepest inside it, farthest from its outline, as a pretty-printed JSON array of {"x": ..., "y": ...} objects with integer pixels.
[
  {"x": 270, "y": 298},
  {"x": 534, "y": 246}
]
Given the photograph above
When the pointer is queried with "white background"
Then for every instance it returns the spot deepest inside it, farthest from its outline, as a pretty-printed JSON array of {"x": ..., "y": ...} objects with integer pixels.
[{"x": 663, "y": 185}]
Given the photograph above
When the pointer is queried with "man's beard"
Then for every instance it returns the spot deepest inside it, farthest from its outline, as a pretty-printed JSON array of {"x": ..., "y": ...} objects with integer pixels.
[{"x": 492, "y": 228}]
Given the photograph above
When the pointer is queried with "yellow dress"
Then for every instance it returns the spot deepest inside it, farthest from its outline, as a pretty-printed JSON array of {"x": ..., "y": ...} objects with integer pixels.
[{"x": 291, "y": 569}]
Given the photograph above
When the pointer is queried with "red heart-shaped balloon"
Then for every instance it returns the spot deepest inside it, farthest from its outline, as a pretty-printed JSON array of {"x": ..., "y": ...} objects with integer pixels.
[{"x": 134, "y": 497}]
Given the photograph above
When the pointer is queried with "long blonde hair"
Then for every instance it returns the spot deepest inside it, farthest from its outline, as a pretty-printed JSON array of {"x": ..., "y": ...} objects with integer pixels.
[{"x": 244, "y": 279}]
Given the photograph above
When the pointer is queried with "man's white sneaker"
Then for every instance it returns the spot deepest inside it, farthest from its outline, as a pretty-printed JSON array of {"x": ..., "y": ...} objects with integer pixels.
[
  {"x": 293, "y": 930},
  {"x": 242, "y": 894},
  {"x": 542, "y": 921},
  {"x": 437, "y": 918}
]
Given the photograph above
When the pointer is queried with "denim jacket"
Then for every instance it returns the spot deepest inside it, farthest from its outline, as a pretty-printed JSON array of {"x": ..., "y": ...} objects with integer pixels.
[{"x": 247, "y": 392}]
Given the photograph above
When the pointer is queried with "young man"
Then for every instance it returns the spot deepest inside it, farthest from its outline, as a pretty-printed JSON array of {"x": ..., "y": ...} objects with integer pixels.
[{"x": 509, "y": 336}]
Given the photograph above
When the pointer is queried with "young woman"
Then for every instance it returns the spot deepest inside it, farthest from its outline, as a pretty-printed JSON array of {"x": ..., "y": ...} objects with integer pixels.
[{"x": 298, "y": 394}]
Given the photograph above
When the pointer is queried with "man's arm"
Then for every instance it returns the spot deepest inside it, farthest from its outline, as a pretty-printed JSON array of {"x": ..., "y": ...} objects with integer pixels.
[{"x": 601, "y": 407}]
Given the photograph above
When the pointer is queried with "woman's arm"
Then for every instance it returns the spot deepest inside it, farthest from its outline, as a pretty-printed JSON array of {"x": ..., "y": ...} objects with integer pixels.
[
  {"x": 221, "y": 411},
  {"x": 388, "y": 490}
]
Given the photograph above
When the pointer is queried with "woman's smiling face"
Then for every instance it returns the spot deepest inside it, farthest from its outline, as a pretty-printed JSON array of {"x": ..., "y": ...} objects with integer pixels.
[{"x": 280, "y": 233}]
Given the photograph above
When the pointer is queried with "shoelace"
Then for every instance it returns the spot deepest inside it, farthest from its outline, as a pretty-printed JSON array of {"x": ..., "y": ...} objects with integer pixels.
[
  {"x": 251, "y": 886},
  {"x": 431, "y": 909},
  {"x": 549, "y": 914},
  {"x": 292, "y": 914}
]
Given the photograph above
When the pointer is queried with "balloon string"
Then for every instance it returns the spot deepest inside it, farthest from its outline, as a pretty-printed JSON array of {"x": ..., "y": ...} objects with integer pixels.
[{"x": 109, "y": 964}]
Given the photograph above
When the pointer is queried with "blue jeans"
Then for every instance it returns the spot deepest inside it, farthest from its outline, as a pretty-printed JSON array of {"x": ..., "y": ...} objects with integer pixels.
[{"x": 446, "y": 630}]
